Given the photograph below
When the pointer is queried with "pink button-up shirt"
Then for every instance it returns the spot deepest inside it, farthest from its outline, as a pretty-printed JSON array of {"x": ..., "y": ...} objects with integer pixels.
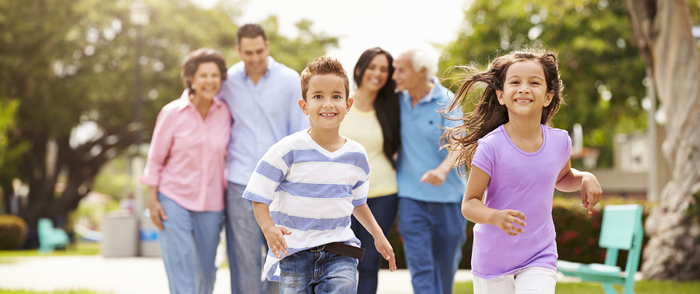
[{"x": 187, "y": 154}]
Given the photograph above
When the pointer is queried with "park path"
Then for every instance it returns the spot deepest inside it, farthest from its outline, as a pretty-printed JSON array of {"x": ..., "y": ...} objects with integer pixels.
[{"x": 134, "y": 275}]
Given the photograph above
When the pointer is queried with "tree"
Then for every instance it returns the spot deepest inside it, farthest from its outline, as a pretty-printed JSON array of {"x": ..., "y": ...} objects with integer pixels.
[
  {"x": 72, "y": 63},
  {"x": 602, "y": 74},
  {"x": 662, "y": 31}
]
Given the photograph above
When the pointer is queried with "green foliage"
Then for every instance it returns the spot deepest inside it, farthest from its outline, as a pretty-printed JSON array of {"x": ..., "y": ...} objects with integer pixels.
[
  {"x": 13, "y": 232},
  {"x": 7, "y": 114},
  {"x": 302, "y": 49},
  {"x": 73, "y": 65},
  {"x": 601, "y": 70}
]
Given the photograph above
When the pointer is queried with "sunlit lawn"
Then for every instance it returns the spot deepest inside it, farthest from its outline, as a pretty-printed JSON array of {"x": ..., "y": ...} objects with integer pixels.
[
  {"x": 79, "y": 248},
  {"x": 641, "y": 287}
]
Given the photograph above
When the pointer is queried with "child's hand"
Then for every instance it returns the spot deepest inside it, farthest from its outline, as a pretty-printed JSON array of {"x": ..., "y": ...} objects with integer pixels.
[
  {"x": 507, "y": 219},
  {"x": 275, "y": 240},
  {"x": 591, "y": 192},
  {"x": 384, "y": 248}
]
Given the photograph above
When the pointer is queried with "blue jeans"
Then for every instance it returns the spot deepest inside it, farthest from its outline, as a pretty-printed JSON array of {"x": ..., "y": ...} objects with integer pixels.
[
  {"x": 384, "y": 210},
  {"x": 322, "y": 272},
  {"x": 188, "y": 247},
  {"x": 245, "y": 245},
  {"x": 433, "y": 235}
]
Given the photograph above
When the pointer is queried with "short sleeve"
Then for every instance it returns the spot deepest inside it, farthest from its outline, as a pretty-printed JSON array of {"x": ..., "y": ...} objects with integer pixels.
[
  {"x": 269, "y": 173},
  {"x": 483, "y": 158}
]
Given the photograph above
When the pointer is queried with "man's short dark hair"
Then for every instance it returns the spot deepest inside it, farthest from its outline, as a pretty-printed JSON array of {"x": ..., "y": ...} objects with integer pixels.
[{"x": 250, "y": 30}]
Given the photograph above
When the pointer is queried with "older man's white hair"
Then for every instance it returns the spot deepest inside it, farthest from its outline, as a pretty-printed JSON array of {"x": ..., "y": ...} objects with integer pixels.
[{"x": 422, "y": 58}]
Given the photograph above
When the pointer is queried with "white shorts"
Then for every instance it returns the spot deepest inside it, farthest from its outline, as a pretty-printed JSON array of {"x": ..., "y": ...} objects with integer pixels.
[{"x": 531, "y": 280}]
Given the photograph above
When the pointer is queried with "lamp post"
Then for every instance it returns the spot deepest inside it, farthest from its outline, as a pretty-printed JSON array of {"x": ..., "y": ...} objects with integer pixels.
[{"x": 139, "y": 19}]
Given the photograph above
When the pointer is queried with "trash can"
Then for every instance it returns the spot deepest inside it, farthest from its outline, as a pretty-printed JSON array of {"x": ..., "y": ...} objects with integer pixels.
[
  {"x": 148, "y": 237},
  {"x": 119, "y": 236}
]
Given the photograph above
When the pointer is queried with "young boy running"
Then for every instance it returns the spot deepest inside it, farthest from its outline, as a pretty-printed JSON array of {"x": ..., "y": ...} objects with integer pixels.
[{"x": 305, "y": 189}]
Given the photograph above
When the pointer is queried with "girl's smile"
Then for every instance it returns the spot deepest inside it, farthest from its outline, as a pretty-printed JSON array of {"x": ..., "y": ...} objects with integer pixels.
[{"x": 525, "y": 90}]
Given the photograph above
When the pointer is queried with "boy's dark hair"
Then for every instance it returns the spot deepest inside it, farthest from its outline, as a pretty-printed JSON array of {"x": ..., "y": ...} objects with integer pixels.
[
  {"x": 250, "y": 30},
  {"x": 197, "y": 57},
  {"x": 487, "y": 113},
  {"x": 321, "y": 66}
]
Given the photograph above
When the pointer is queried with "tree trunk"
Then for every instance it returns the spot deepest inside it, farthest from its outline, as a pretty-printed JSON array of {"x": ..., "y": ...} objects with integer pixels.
[
  {"x": 662, "y": 31},
  {"x": 78, "y": 166}
]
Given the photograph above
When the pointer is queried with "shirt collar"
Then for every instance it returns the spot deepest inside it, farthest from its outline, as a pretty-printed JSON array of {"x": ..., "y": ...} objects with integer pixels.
[
  {"x": 270, "y": 64},
  {"x": 428, "y": 97}
]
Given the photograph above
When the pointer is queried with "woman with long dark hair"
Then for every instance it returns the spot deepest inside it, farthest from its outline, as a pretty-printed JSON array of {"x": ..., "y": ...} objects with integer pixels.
[{"x": 374, "y": 122}]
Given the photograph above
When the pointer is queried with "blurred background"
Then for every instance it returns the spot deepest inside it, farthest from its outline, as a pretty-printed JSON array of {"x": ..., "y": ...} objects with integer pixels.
[{"x": 81, "y": 83}]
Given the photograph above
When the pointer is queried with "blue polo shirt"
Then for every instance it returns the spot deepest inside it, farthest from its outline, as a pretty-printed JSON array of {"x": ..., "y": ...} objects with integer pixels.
[{"x": 420, "y": 147}]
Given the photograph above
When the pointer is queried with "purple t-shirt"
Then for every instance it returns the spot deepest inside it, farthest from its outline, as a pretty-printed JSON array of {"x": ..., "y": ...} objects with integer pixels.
[{"x": 525, "y": 182}]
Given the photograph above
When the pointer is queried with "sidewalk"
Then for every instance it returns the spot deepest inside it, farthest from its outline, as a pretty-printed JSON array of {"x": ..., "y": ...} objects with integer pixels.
[{"x": 135, "y": 275}]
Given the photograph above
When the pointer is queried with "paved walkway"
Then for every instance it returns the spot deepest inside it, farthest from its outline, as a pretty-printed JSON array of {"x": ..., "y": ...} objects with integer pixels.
[{"x": 134, "y": 275}]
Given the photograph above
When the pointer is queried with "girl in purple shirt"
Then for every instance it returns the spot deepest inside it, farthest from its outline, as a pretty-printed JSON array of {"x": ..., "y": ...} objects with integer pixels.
[{"x": 516, "y": 163}]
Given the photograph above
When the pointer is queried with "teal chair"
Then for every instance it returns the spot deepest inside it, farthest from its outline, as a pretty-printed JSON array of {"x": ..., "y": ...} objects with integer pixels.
[
  {"x": 621, "y": 230},
  {"x": 50, "y": 237}
]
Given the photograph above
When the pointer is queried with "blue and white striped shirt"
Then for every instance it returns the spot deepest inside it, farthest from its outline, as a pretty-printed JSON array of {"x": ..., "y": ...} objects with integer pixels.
[{"x": 311, "y": 192}]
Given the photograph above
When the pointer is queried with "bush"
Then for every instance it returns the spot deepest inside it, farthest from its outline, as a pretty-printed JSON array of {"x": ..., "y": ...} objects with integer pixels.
[
  {"x": 13, "y": 232},
  {"x": 577, "y": 233}
]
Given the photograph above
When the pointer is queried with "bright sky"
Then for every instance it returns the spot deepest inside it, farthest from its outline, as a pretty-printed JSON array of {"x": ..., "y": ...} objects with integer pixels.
[{"x": 394, "y": 25}]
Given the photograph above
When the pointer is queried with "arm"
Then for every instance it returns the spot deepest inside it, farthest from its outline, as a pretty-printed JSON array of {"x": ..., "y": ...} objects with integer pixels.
[
  {"x": 273, "y": 234},
  {"x": 155, "y": 210},
  {"x": 365, "y": 217},
  {"x": 158, "y": 154},
  {"x": 571, "y": 179},
  {"x": 474, "y": 209},
  {"x": 437, "y": 175}
]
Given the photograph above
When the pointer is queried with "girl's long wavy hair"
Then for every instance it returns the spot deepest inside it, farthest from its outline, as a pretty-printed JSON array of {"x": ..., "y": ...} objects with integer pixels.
[{"x": 488, "y": 113}]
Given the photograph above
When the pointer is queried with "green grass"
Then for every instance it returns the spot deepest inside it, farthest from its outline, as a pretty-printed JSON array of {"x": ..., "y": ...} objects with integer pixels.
[
  {"x": 641, "y": 287},
  {"x": 79, "y": 248}
]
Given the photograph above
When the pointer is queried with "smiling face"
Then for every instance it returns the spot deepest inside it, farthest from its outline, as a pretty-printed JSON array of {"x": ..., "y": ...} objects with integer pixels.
[
  {"x": 525, "y": 90},
  {"x": 254, "y": 52},
  {"x": 326, "y": 102},
  {"x": 206, "y": 81},
  {"x": 376, "y": 73},
  {"x": 405, "y": 76}
]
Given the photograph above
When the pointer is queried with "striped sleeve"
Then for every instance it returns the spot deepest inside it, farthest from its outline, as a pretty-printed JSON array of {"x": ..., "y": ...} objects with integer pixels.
[{"x": 265, "y": 180}]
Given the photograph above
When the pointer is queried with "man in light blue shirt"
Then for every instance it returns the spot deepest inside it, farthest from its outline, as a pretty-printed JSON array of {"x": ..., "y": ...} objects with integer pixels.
[
  {"x": 430, "y": 189},
  {"x": 262, "y": 95}
]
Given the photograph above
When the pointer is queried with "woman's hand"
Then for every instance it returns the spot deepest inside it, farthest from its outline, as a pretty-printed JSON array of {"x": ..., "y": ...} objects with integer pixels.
[
  {"x": 508, "y": 220},
  {"x": 154, "y": 208},
  {"x": 157, "y": 213}
]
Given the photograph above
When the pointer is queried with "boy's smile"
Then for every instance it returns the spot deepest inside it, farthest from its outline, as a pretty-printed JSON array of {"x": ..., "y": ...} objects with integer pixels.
[{"x": 326, "y": 102}]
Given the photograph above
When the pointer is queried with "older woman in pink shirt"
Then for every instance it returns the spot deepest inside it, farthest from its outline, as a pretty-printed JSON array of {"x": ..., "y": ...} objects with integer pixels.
[{"x": 185, "y": 174}]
